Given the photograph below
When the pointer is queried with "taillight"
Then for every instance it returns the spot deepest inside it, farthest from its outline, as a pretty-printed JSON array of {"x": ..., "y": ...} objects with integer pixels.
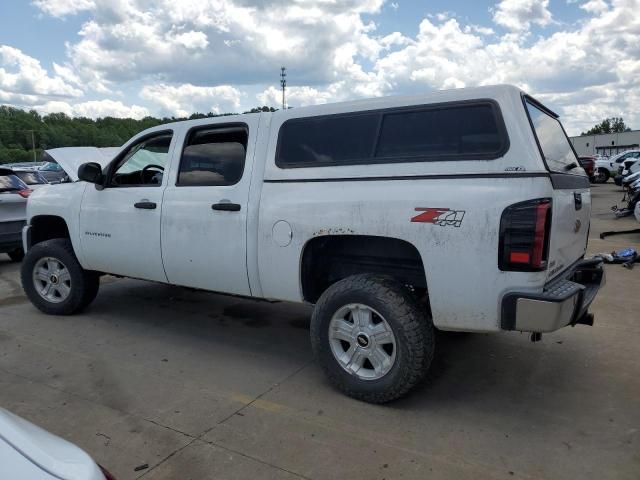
[
  {"x": 25, "y": 192},
  {"x": 524, "y": 236}
]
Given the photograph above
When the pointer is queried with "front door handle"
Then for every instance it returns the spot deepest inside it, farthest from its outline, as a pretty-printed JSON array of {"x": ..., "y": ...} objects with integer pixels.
[
  {"x": 226, "y": 207},
  {"x": 145, "y": 205}
]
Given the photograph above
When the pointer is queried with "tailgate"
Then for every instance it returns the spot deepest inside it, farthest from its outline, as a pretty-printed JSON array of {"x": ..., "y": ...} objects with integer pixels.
[
  {"x": 569, "y": 228},
  {"x": 571, "y": 196}
]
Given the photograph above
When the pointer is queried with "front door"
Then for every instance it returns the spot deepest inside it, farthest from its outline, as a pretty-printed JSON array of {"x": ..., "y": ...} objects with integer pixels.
[
  {"x": 204, "y": 213},
  {"x": 120, "y": 223}
]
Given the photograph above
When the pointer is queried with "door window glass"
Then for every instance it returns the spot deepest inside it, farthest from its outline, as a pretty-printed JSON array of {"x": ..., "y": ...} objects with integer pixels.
[
  {"x": 213, "y": 156},
  {"x": 143, "y": 164}
]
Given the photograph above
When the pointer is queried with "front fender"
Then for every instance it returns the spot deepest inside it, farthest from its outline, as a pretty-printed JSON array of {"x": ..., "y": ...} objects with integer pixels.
[{"x": 59, "y": 200}]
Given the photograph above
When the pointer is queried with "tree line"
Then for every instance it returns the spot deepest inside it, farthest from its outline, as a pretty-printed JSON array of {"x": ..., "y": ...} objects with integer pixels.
[
  {"x": 608, "y": 125},
  {"x": 20, "y": 130}
]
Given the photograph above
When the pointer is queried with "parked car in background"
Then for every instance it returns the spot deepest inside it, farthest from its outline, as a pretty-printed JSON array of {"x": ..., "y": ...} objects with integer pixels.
[
  {"x": 633, "y": 174},
  {"x": 588, "y": 164},
  {"x": 27, "y": 452},
  {"x": 67, "y": 160},
  {"x": 604, "y": 170},
  {"x": 609, "y": 168},
  {"x": 24, "y": 165},
  {"x": 53, "y": 172},
  {"x": 13, "y": 202},
  {"x": 625, "y": 167},
  {"x": 624, "y": 170},
  {"x": 33, "y": 178}
]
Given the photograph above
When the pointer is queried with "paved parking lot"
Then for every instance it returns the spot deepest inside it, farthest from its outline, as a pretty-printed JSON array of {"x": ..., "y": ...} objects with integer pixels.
[{"x": 204, "y": 386}]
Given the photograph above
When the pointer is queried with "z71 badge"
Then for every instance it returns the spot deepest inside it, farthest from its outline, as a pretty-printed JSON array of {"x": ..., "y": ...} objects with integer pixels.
[{"x": 439, "y": 216}]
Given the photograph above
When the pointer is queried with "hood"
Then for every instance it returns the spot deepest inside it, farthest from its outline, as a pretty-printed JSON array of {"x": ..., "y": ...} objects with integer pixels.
[
  {"x": 52, "y": 454},
  {"x": 70, "y": 158}
]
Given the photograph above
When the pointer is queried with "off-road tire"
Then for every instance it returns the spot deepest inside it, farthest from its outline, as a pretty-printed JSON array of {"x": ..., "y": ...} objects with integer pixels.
[
  {"x": 16, "y": 255},
  {"x": 84, "y": 283},
  {"x": 409, "y": 321}
]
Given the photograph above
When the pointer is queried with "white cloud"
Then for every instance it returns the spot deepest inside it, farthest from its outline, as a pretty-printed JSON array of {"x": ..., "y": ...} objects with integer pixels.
[
  {"x": 595, "y": 6},
  {"x": 296, "y": 96},
  {"x": 95, "y": 109},
  {"x": 183, "y": 100},
  {"x": 191, "y": 40},
  {"x": 216, "y": 42},
  {"x": 62, "y": 8},
  {"x": 518, "y": 15},
  {"x": 23, "y": 79}
]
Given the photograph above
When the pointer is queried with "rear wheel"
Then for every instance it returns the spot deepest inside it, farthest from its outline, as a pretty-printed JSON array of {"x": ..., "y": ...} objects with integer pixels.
[
  {"x": 54, "y": 281},
  {"x": 372, "y": 337},
  {"x": 601, "y": 175},
  {"x": 16, "y": 255}
]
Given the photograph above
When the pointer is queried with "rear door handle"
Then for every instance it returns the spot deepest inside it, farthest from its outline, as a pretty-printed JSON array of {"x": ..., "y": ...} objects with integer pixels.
[
  {"x": 145, "y": 205},
  {"x": 226, "y": 207}
]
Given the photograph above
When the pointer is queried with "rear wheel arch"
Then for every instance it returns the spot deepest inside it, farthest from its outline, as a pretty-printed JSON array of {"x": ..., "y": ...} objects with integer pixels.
[{"x": 328, "y": 259}]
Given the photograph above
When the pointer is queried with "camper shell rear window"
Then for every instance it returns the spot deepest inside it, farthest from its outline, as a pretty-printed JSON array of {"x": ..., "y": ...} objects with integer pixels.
[{"x": 469, "y": 130}]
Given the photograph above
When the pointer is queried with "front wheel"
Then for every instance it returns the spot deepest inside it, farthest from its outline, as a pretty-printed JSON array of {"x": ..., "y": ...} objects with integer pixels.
[
  {"x": 372, "y": 338},
  {"x": 54, "y": 281}
]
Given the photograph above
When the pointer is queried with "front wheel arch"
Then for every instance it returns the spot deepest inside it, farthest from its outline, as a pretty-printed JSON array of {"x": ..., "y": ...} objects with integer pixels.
[{"x": 47, "y": 227}]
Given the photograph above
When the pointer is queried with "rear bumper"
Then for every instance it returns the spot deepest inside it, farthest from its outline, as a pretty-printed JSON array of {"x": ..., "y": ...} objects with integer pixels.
[{"x": 563, "y": 301}]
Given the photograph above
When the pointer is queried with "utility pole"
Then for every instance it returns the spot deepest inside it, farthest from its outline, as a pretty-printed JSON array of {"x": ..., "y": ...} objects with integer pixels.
[
  {"x": 283, "y": 83},
  {"x": 33, "y": 146}
]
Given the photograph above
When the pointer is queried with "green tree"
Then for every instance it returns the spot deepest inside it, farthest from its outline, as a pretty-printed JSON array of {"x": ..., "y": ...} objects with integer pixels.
[
  {"x": 59, "y": 130},
  {"x": 608, "y": 125}
]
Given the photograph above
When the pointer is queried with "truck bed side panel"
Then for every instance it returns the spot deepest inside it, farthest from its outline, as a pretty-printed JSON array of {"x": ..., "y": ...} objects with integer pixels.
[{"x": 459, "y": 247}]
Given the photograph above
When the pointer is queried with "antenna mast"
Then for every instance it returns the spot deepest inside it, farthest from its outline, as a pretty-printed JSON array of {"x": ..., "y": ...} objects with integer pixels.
[{"x": 283, "y": 84}]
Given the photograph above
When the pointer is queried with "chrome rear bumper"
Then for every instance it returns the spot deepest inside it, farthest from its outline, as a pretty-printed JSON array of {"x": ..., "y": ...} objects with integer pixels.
[{"x": 563, "y": 301}]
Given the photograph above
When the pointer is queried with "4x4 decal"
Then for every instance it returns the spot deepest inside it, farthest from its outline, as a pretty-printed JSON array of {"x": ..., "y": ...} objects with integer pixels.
[{"x": 439, "y": 216}]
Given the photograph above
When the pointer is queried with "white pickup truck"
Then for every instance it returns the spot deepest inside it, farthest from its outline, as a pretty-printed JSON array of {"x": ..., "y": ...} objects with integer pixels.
[{"x": 459, "y": 210}]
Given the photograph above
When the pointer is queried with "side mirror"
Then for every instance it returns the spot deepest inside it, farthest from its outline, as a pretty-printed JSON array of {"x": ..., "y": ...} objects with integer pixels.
[{"x": 90, "y": 172}]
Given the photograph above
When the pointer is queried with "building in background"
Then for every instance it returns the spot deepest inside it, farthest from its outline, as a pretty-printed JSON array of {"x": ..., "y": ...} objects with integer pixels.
[{"x": 606, "y": 143}]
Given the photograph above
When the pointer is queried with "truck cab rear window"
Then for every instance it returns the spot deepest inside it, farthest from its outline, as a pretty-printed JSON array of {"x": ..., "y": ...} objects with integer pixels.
[{"x": 465, "y": 131}]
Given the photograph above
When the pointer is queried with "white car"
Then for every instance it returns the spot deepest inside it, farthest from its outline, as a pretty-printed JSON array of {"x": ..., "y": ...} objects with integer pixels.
[
  {"x": 13, "y": 212},
  {"x": 460, "y": 210},
  {"x": 610, "y": 168},
  {"x": 27, "y": 452}
]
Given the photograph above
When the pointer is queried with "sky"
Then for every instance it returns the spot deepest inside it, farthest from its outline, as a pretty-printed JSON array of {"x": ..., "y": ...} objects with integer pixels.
[{"x": 133, "y": 58}]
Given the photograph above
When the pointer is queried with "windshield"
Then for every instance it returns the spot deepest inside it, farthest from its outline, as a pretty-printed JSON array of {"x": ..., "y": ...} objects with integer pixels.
[
  {"x": 11, "y": 183},
  {"x": 556, "y": 149},
  {"x": 51, "y": 167}
]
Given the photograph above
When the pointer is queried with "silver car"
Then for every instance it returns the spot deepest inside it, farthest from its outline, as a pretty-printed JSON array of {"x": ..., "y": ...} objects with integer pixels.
[{"x": 13, "y": 204}]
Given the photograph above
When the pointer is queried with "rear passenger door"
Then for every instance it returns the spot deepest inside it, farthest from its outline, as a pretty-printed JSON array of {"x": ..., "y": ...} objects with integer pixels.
[{"x": 204, "y": 211}]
